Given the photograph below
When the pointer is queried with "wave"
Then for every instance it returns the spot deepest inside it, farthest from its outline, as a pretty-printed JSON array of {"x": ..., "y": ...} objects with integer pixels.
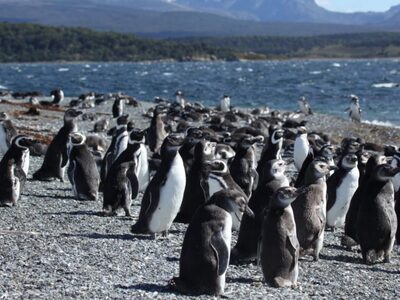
[
  {"x": 2, "y": 87},
  {"x": 387, "y": 85},
  {"x": 63, "y": 70},
  {"x": 382, "y": 123}
]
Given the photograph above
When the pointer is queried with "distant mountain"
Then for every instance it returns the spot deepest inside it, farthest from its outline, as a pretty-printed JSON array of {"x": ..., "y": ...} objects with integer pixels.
[{"x": 176, "y": 18}]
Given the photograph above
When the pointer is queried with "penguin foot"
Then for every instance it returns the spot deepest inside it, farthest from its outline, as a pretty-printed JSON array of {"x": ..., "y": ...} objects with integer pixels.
[
  {"x": 165, "y": 234},
  {"x": 280, "y": 282}
]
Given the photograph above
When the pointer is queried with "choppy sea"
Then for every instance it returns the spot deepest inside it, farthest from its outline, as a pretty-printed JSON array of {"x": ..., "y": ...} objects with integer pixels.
[{"x": 327, "y": 84}]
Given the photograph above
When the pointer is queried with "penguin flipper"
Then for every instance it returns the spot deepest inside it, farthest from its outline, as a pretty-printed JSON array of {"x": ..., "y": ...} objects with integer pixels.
[
  {"x": 256, "y": 178},
  {"x": 134, "y": 183},
  {"x": 221, "y": 252}
]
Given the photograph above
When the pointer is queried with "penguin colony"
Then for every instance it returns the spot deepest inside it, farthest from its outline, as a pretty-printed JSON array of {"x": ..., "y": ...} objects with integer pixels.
[{"x": 195, "y": 165}]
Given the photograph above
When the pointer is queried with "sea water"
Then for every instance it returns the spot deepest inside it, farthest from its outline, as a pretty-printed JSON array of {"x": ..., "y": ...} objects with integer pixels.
[{"x": 327, "y": 84}]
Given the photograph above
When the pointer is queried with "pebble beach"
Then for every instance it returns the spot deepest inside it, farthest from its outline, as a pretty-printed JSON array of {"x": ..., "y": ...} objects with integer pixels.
[{"x": 55, "y": 247}]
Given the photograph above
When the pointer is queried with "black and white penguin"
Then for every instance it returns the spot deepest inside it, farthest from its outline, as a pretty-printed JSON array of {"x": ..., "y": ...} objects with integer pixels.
[
  {"x": 116, "y": 146},
  {"x": 246, "y": 248},
  {"x": 10, "y": 185},
  {"x": 196, "y": 190},
  {"x": 350, "y": 238},
  {"x": 396, "y": 185},
  {"x": 206, "y": 247},
  {"x": 243, "y": 165},
  {"x": 118, "y": 107},
  {"x": 310, "y": 209},
  {"x": 163, "y": 196},
  {"x": 57, "y": 96},
  {"x": 354, "y": 109},
  {"x": 305, "y": 107},
  {"x": 279, "y": 247},
  {"x": 180, "y": 98},
  {"x": 301, "y": 147},
  {"x": 82, "y": 169},
  {"x": 56, "y": 157},
  {"x": 119, "y": 187},
  {"x": 272, "y": 149},
  {"x": 156, "y": 133},
  {"x": 20, "y": 153},
  {"x": 377, "y": 221},
  {"x": 341, "y": 188},
  {"x": 7, "y": 132},
  {"x": 225, "y": 103}
]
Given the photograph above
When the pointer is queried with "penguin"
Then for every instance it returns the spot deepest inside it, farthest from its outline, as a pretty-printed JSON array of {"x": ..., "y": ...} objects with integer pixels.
[
  {"x": 119, "y": 134},
  {"x": 354, "y": 109},
  {"x": 57, "y": 96},
  {"x": 101, "y": 125},
  {"x": 350, "y": 238},
  {"x": 301, "y": 147},
  {"x": 225, "y": 104},
  {"x": 272, "y": 149},
  {"x": 243, "y": 165},
  {"x": 118, "y": 107},
  {"x": 224, "y": 152},
  {"x": 156, "y": 133},
  {"x": 396, "y": 185},
  {"x": 305, "y": 107},
  {"x": 205, "y": 251},
  {"x": 10, "y": 185},
  {"x": 377, "y": 221},
  {"x": 279, "y": 247},
  {"x": 82, "y": 169},
  {"x": 246, "y": 248},
  {"x": 119, "y": 188},
  {"x": 163, "y": 196},
  {"x": 7, "y": 132},
  {"x": 56, "y": 157},
  {"x": 341, "y": 188},
  {"x": 310, "y": 209},
  {"x": 179, "y": 98},
  {"x": 196, "y": 190}
]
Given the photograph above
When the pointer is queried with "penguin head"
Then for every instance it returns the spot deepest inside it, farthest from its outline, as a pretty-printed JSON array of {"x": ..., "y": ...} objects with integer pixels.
[
  {"x": 354, "y": 99},
  {"x": 276, "y": 167},
  {"x": 3, "y": 116},
  {"x": 349, "y": 161},
  {"x": 71, "y": 114},
  {"x": 301, "y": 130},
  {"x": 23, "y": 141},
  {"x": 284, "y": 196},
  {"x": 171, "y": 143},
  {"x": 123, "y": 120},
  {"x": 77, "y": 139},
  {"x": 205, "y": 149},
  {"x": 223, "y": 151},
  {"x": 233, "y": 201},
  {"x": 327, "y": 151},
  {"x": 318, "y": 169},
  {"x": 385, "y": 172},
  {"x": 137, "y": 136},
  {"x": 276, "y": 134},
  {"x": 217, "y": 166},
  {"x": 248, "y": 141}
]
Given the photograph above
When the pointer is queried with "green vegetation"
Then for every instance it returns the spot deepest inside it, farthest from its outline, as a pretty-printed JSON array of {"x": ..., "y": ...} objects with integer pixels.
[{"x": 33, "y": 43}]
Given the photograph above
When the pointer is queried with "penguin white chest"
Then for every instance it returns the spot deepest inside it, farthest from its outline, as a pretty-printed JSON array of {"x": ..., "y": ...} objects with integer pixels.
[
  {"x": 171, "y": 196},
  {"x": 3, "y": 140},
  {"x": 215, "y": 184},
  {"x": 122, "y": 143},
  {"x": 395, "y": 179},
  {"x": 225, "y": 104},
  {"x": 25, "y": 161},
  {"x": 227, "y": 236},
  {"x": 143, "y": 168},
  {"x": 301, "y": 148},
  {"x": 354, "y": 112},
  {"x": 336, "y": 216}
]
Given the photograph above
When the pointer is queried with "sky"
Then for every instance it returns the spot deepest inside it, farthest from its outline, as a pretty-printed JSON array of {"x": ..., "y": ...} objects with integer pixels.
[{"x": 357, "y": 5}]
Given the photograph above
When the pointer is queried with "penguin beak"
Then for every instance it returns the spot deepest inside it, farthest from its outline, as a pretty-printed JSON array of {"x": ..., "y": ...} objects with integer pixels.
[
  {"x": 333, "y": 168},
  {"x": 249, "y": 212},
  {"x": 302, "y": 190}
]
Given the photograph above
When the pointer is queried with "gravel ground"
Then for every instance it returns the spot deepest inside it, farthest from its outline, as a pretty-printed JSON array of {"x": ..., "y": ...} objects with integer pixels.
[{"x": 53, "y": 247}]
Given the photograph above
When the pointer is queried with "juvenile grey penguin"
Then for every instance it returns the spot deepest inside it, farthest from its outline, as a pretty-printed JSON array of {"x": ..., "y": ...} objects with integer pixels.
[
  {"x": 10, "y": 185},
  {"x": 82, "y": 169},
  {"x": 341, "y": 188},
  {"x": 56, "y": 157},
  {"x": 310, "y": 209},
  {"x": 206, "y": 247},
  {"x": 197, "y": 190},
  {"x": 7, "y": 132},
  {"x": 243, "y": 165},
  {"x": 245, "y": 250},
  {"x": 156, "y": 133},
  {"x": 377, "y": 221},
  {"x": 225, "y": 103},
  {"x": 163, "y": 196},
  {"x": 279, "y": 247},
  {"x": 118, "y": 187},
  {"x": 354, "y": 109}
]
